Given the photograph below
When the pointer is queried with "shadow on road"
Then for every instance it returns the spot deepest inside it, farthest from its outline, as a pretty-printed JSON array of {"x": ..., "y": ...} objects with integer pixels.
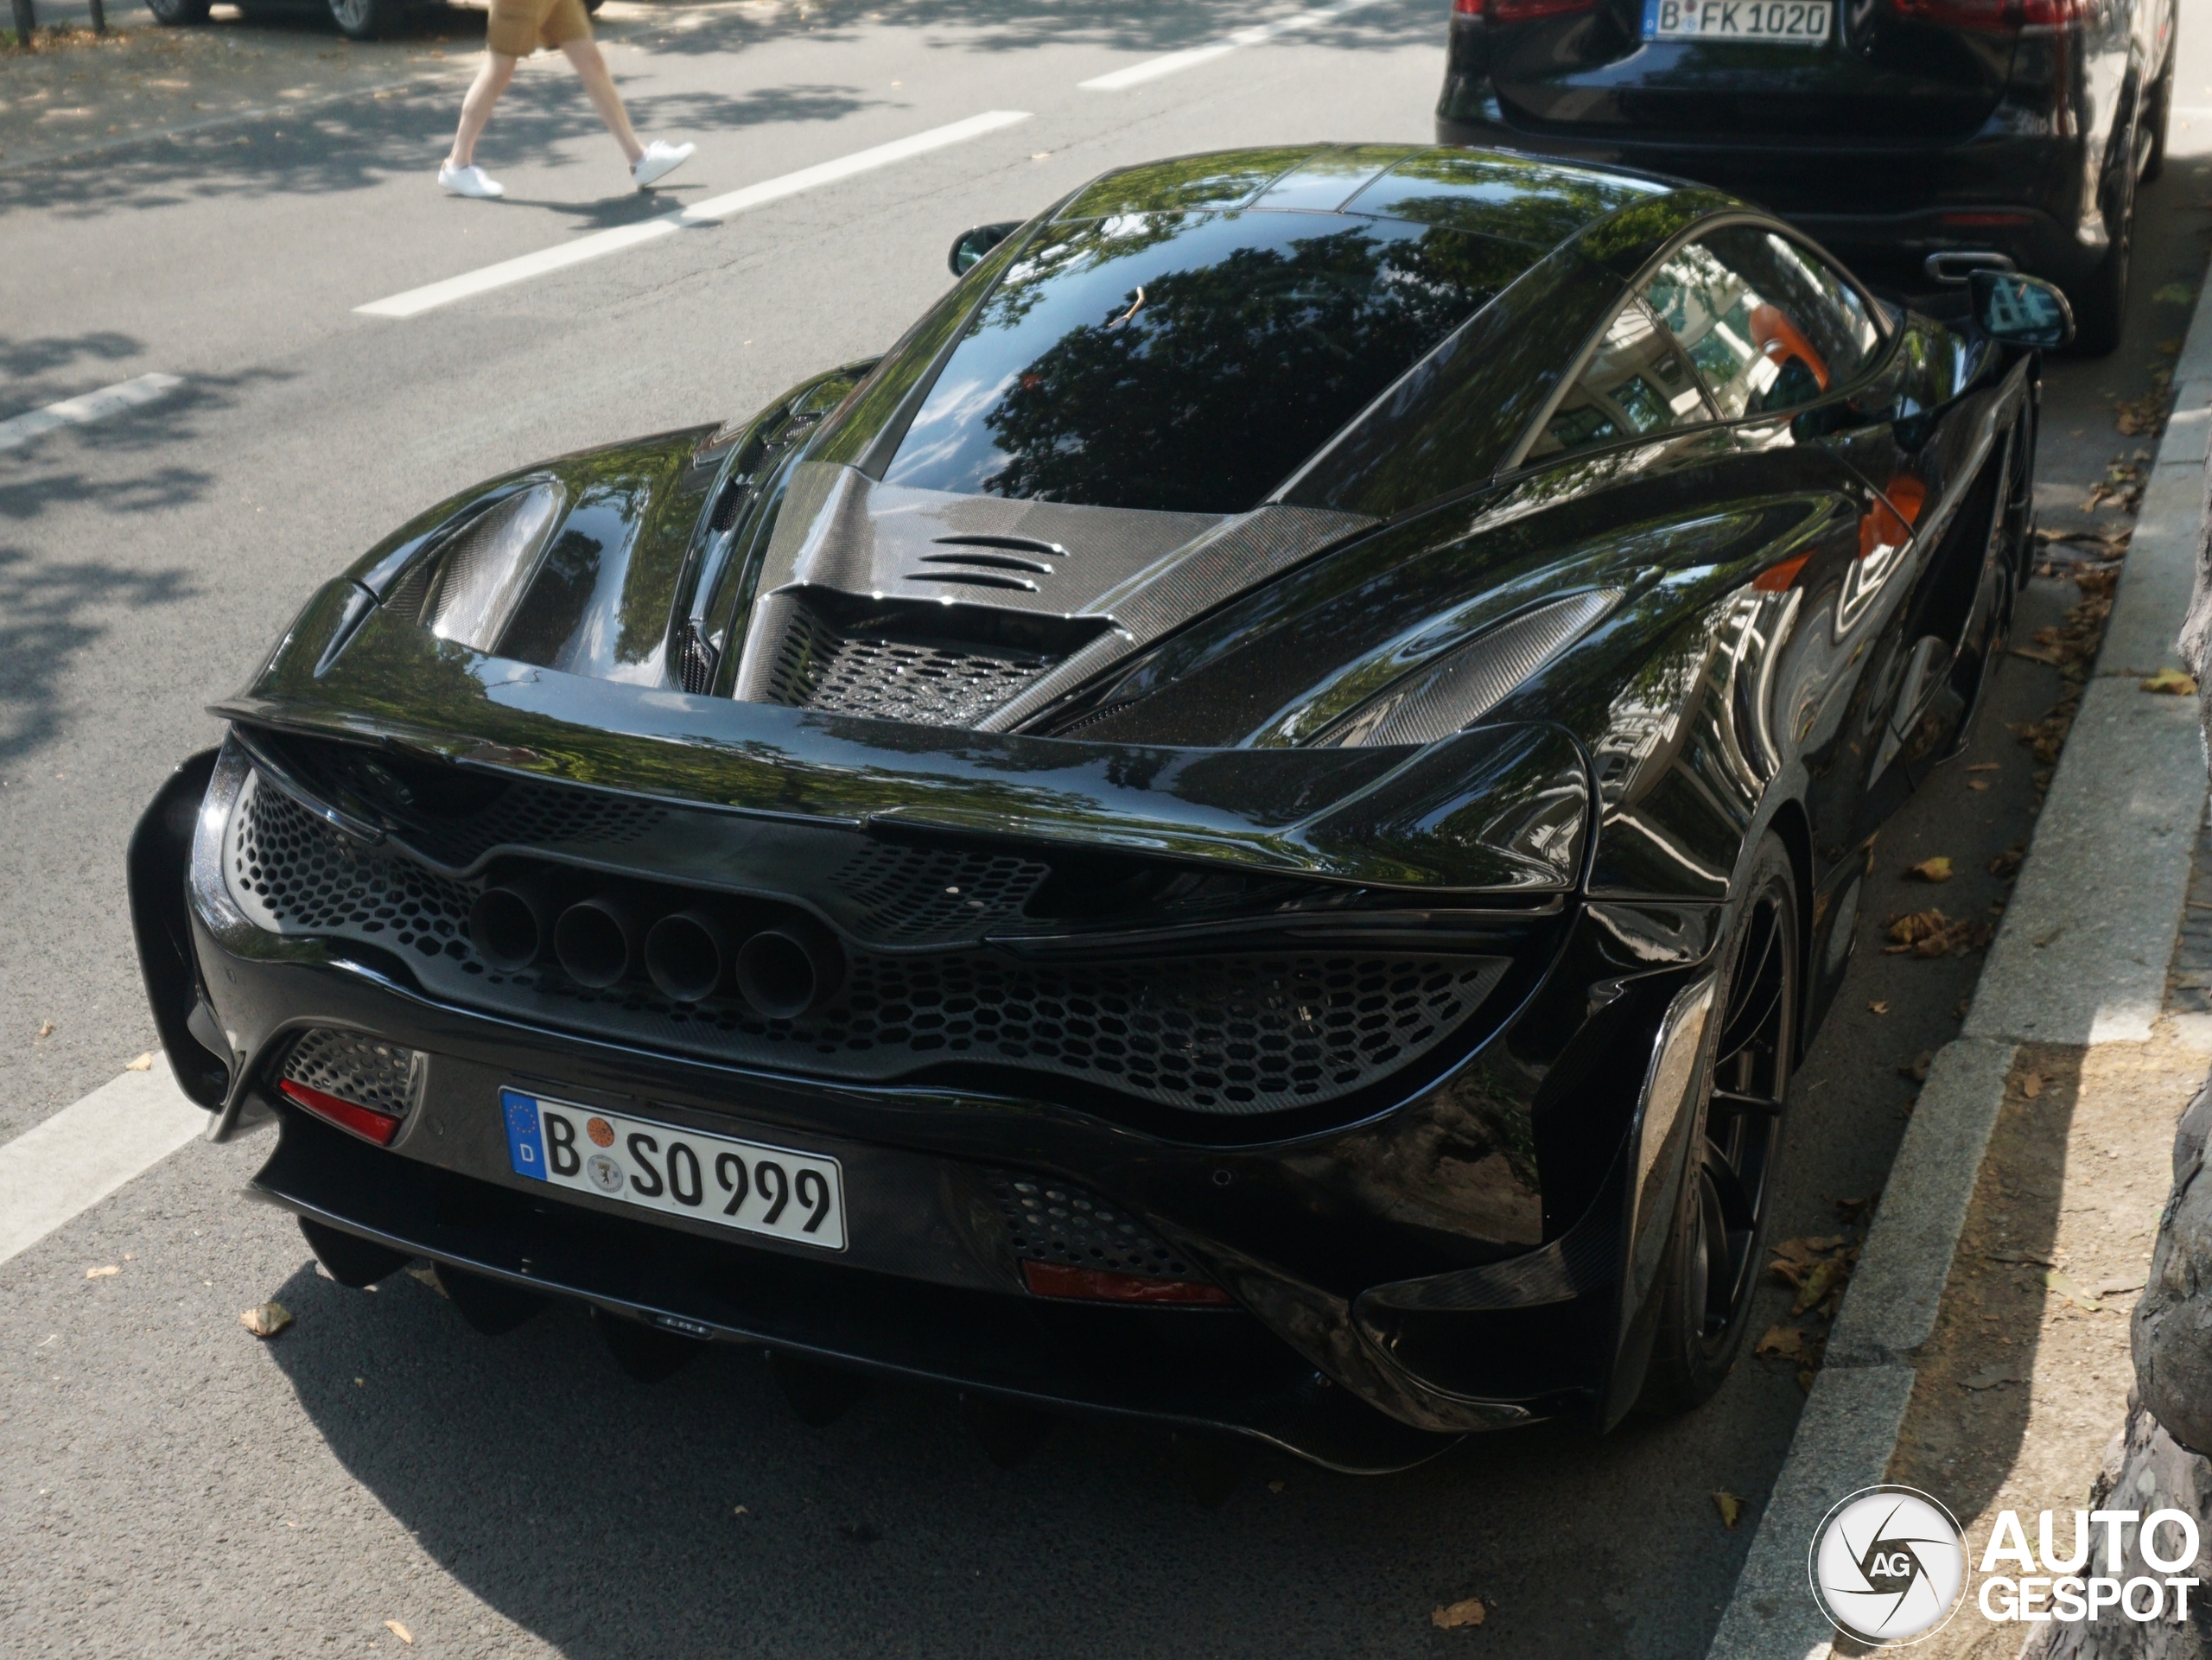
[{"x": 603, "y": 1516}]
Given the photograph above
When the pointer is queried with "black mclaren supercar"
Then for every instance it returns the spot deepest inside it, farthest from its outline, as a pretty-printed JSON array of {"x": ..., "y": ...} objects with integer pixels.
[{"x": 1245, "y": 829}]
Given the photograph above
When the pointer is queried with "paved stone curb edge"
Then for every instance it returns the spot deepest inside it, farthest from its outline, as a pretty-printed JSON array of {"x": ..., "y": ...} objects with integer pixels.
[{"x": 2080, "y": 958}]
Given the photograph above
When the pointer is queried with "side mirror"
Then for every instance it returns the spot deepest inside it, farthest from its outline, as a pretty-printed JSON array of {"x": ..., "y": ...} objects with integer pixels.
[
  {"x": 972, "y": 243},
  {"x": 2020, "y": 310}
]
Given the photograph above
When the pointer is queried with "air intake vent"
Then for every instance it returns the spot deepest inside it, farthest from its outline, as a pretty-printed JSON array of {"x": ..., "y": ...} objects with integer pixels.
[
  {"x": 695, "y": 661},
  {"x": 929, "y": 683}
]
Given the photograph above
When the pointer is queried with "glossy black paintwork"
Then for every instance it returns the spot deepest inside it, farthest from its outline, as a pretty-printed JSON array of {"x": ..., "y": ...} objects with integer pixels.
[
  {"x": 1866, "y": 140},
  {"x": 1802, "y": 607}
]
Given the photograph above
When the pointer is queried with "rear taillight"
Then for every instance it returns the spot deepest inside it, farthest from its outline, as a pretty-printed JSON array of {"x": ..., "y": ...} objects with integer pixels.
[
  {"x": 1991, "y": 17},
  {"x": 365, "y": 1121},
  {"x": 1102, "y": 1285},
  {"x": 1518, "y": 11}
]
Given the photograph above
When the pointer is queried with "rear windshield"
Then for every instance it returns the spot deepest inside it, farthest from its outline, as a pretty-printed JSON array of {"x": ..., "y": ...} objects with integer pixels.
[{"x": 1189, "y": 362}]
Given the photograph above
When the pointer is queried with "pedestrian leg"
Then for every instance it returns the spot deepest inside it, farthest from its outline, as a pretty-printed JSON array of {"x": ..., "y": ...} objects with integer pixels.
[
  {"x": 492, "y": 78},
  {"x": 599, "y": 85}
]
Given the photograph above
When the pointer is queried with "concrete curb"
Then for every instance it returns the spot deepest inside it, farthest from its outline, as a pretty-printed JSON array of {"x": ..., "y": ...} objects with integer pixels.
[{"x": 2080, "y": 958}]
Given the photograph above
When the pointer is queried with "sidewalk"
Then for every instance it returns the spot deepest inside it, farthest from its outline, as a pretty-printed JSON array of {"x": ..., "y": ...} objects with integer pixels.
[{"x": 1982, "y": 1354}]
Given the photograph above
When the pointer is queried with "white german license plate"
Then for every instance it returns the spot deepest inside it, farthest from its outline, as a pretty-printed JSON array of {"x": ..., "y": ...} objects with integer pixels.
[
  {"x": 1784, "y": 22},
  {"x": 742, "y": 1184}
]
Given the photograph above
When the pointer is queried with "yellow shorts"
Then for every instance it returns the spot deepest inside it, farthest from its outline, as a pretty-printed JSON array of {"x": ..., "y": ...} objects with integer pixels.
[{"x": 518, "y": 28}]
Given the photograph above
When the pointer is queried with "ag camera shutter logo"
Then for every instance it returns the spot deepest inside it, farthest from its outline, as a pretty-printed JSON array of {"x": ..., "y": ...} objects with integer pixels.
[{"x": 1888, "y": 1565}]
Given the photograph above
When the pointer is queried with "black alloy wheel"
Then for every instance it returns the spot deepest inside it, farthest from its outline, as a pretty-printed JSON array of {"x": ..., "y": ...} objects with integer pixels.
[
  {"x": 2101, "y": 311},
  {"x": 1711, "y": 1261}
]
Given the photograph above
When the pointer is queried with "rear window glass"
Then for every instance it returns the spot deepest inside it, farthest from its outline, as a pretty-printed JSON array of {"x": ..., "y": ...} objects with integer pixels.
[
  {"x": 1188, "y": 363},
  {"x": 1538, "y": 202}
]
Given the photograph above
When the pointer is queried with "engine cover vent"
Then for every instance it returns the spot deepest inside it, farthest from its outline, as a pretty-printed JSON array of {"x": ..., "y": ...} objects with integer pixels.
[{"x": 929, "y": 683}]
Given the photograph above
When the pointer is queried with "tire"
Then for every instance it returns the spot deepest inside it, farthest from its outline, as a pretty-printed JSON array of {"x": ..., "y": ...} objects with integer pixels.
[
  {"x": 2101, "y": 309},
  {"x": 593, "y": 6},
  {"x": 177, "y": 14},
  {"x": 1712, "y": 1255},
  {"x": 363, "y": 20},
  {"x": 2157, "y": 110}
]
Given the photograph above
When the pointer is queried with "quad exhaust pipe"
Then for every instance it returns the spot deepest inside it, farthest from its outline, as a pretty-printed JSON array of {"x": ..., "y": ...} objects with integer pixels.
[{"x": 784, "y": 970}]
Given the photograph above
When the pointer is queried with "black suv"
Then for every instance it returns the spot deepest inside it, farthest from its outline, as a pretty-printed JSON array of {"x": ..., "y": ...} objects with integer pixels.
[{"x": 1913, "y": 137}]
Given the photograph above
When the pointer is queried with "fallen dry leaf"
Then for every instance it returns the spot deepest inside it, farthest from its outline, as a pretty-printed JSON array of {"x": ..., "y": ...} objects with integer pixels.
[
  {"x": 400, "y": 1631},
  {"x": 1274, "y": 1486},
  {"x": 266, "y": 1320},
  {"x": 102, "y": 1272},
  {"x": 44, "y": 1029},
  {"x": 1937, "y": 869},
  {"x": 2007, "y": 865},
  {"x": 1986, "y": 767},
  {"x": 1454, "y": 1615},
  {"x": 2173, "y": 683},
  {"x": 1824, "y": 1278},
  {"x": 1930, "y": 933},
  {"x": 1730, "y": 1506},
  {"x": 1780, "y": 1343},
  {"x": 2140, "y": 417},
  {"x": 1977, "y": 784},
  {"x": 1878, "y": 1009},
  {"x": 143, "y": 1064},
  {"x": 2071, "y": 1291},
  {"x": 1990, "y": 1377},
  {"x": 2032, "y": 1086},
  {"x": 1854, "y": 1210}
]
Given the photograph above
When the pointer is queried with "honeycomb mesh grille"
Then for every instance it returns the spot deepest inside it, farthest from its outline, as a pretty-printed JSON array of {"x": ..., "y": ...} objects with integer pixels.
[
  {"x": 291, "y": 873},
  {"x": 367, "y": 1072},
  {"x": 919, "y": 893},
  {"x": 817, "y": 667},
  {"x": 1217, "y": 1034},
  {"x": 1051, "y": 1222},
  {"x": 532, "y": 815}
]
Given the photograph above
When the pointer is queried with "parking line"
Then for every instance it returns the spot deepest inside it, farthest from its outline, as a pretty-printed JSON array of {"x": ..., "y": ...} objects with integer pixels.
[
  {"x": 19, "y": 429},
  {"x": 1173, "y": 62},
  {"x": 85, "y": 1151},
  {"x": 414, "y": 302}
]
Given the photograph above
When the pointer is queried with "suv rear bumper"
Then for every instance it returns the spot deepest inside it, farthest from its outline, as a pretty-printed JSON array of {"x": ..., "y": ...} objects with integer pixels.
[{"x": 2017, "y": 194}]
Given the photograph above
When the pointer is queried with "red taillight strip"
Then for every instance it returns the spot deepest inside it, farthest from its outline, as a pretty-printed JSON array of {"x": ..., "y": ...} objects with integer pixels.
[
  {"x": 1099, "y": 1285},
  {"x": 365, "y": 1121},
  {"x": 1518, "y": 11}
]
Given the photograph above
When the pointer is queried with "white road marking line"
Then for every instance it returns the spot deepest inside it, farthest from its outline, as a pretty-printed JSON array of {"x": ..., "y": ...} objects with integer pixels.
[
  {"x": 19, "y": 429},
  {"x": 1173, "y": 62},
  {"x": 85, "y": 1151},
  {"x": 711, "y": 211}
]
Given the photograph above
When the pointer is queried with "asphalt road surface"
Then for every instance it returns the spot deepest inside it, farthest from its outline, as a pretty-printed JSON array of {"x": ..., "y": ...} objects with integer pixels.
[{"x": 169, "y": 1485}]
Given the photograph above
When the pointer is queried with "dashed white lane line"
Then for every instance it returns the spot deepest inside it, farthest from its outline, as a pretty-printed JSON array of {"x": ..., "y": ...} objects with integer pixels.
[
  {"x": 414, "y": 302},
  {"x": 19, "y": 429},
  {"x": 85, "y": 1151},
  {"x": 1173, "y": 62}
]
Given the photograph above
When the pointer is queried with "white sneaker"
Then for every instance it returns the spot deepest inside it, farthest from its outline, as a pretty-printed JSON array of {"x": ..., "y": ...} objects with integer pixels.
[
  {"x": 659, "y": 160},
  {"x": 470, "y": 181}
]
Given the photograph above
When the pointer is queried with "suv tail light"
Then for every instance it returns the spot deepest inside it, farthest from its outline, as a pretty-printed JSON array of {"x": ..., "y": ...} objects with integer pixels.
[
  {"x": 1518, "y": 11},
  {"x": 1991, "y": 17}
]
